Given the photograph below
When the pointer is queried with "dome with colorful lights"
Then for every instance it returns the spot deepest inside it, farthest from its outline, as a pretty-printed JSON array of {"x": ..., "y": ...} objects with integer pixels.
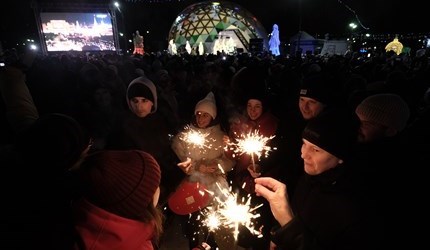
[{"x": 209, "y": 21}]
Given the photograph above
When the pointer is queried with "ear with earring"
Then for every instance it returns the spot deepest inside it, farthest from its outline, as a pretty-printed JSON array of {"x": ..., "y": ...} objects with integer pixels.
[{"x": 340, "y": 161}]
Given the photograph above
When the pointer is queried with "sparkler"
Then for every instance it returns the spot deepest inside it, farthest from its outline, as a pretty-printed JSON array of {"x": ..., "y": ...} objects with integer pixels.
[
  {"x": 253, "y": 144},
  {"x": 195, "y": 138},
  {"x": 230, "y": 213}
]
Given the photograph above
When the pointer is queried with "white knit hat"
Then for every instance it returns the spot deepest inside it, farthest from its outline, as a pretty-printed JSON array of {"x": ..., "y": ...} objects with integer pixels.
[
  {"x": 208, "y": 105},
  {"x": 389, "y": 110}
]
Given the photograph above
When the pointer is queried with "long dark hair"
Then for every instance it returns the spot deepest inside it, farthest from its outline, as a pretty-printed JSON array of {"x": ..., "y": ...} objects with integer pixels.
[{"x": 155, "y": 216}]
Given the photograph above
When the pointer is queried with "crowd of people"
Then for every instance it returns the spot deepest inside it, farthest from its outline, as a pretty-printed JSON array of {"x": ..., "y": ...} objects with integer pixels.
[{"x": 93, "y": 152}]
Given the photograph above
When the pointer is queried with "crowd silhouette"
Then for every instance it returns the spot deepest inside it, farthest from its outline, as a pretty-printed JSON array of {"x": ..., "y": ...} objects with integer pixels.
[{"x": 60, "y": 110}]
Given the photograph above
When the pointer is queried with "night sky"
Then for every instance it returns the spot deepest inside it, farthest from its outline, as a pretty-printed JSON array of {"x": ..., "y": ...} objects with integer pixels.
[{"x": 318, "y": 17}]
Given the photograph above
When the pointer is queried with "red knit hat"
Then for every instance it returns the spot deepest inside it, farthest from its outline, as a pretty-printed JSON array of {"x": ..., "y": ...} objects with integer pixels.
[{"x": 121, "y": 182}]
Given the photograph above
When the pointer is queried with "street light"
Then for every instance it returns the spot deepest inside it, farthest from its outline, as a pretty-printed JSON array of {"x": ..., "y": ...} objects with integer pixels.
[
  {"x": 124, "y": 32},
  {"x": 353, "y": 26},
  {"x": 300, "y": 30}
]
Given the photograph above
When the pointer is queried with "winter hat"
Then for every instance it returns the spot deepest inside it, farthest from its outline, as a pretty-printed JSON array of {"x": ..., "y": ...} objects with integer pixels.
[
  {"x": 334, "y": 131},
  {"x": 208, "y": 105},
  {"x": 318, "y": 87},
  {"x": 142, "y": 87},
  {"x": 54, "y": 139},
  {"x": 247, "y": 81},
  {"x": 258, "y": 93},
  {"x": 121, "y": 182},
  {"x": 389, "y": 110}
]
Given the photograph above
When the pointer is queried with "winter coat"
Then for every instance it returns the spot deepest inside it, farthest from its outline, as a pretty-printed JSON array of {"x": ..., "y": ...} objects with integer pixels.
[{"x": 100, "y": 229}]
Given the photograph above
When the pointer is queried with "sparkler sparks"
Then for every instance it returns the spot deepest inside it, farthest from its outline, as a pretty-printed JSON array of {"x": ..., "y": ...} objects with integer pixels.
[
  {"x": 212, "y": 220},
  {"x": 195, "y": 138},
  {"x": 229, "y": 212},
  {"x": 253, "y": 144}
]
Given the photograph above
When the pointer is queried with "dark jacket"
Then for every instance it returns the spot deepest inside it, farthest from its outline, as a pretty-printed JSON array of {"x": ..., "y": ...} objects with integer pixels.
[
  {"x": 151, "y": 135},
  {"x": 328, "y": 214}
]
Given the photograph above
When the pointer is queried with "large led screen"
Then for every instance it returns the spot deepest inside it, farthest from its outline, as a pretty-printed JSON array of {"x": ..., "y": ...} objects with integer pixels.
[{"x": 66, "y": 31}]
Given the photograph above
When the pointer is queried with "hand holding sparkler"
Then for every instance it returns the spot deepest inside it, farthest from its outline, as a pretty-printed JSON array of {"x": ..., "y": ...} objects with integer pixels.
[
  {"x": 203, "y": 246},
  {"x": 275, "y": 192},
  {"x": 226, "y": 140},
  {"x": 185, "y": 165},
  {"x": 254, "y": 170},
  {"x": 193, "y": 139}
]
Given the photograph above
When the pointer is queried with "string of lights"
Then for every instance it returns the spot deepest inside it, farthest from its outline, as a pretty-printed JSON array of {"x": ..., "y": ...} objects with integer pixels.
[{"x": 355, "y": 14}]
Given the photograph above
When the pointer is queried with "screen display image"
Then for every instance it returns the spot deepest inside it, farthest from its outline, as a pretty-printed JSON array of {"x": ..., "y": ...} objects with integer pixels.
[{"x": 65, "y": 31}]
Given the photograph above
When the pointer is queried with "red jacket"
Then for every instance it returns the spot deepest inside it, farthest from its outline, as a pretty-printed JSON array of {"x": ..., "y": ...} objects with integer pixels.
[{"x": 100, "y": 229}]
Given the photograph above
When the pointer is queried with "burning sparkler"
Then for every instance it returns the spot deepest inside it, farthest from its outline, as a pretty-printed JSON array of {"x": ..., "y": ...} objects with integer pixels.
[
  {"x": 212, "y": 220},
  {"x": 230, "y": 213},
  {"x": 253, "y": 144},
  {"x": 195, "y": 138}
]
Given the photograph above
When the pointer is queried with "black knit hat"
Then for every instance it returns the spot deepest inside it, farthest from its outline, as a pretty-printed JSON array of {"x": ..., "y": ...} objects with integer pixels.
[
  {"x": 319, "y": 87},
  {"x": 256, "y": 92},
  {"x": 335, "y": 131},
  {"x": 140, "y": 90},
  {"x": 142, "y": 87},
  {"x": 121, "y": 182}
]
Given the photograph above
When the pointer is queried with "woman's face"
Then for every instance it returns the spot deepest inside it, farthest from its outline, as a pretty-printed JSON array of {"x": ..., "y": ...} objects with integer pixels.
[
  {"x": 141, "y": 106},
  {"x": 317, "y": 160},
  {"x": 203, "y": 119},
  {"x": 254, "y": 109},
  {"x": 310, "y": 107}
]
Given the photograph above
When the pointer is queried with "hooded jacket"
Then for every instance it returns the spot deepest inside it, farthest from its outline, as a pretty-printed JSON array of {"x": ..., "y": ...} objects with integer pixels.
[{"x": 99, "y": 229}]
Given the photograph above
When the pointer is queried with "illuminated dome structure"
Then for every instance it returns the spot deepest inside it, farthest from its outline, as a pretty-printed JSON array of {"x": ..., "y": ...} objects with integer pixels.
[{"x": 213, "y": 22}]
